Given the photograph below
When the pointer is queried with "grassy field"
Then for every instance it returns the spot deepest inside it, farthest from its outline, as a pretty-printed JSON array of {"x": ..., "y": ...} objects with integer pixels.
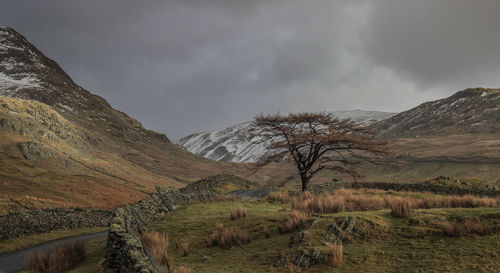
[
  {"x": 31, "y": 240},
  {"x": 412, "y": 244}
]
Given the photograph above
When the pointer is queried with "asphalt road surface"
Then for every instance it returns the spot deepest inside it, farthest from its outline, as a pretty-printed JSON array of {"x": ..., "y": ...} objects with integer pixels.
[
  {"x": 16, "y": 261},
  {"x": 258, "y": 193}
]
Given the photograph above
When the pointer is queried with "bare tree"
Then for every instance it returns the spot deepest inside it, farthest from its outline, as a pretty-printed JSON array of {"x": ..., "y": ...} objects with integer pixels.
[{"x": 317, "y": 142}]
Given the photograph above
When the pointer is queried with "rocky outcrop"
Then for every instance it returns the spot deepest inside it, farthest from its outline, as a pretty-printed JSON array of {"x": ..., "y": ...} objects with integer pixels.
[
  {"x": 308, "y": 257},
  {"x": 16, "y": 224},
  {"x": 311, "y": 246}
]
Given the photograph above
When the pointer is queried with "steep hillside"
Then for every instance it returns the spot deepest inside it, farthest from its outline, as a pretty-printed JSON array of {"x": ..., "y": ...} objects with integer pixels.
[
  {"x": 234, "y": 143},
  {"x": 60, "y": 145},
  {"x": 471, "y": 111}
]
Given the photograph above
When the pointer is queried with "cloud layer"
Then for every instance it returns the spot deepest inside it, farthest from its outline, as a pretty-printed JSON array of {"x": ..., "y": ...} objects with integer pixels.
[{"x": 185, "y": 66}]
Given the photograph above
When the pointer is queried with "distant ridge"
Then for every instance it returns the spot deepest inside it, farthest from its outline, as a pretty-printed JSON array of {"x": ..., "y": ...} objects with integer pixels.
[{"x": 473, "y": 110}]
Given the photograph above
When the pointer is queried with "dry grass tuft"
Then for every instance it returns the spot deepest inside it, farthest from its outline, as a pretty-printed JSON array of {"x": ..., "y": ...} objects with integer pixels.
[
  {"x": 400, "y": 208},
  {"x": 282, "y": 197},
  {"x": 228, "y": 237},
  {"x": 185, "y": 249},
  {"x": 266, "y": 232},
  {"x": 345, "y": 200},
  {"x": 60, "y": 258},
  {"x": 219, "y": 226},
  {"x": 157, "y": 243},
  {"x": 295, "y": 220},
  {"x": 182, "y": 269},
  {"x": 339, "y": 201},
  {"x": 334, "y": 254},
  {"x": 467, "y": 227},
  {"x": 305, "y": 195},
  {"x": 239, "y": 212}
]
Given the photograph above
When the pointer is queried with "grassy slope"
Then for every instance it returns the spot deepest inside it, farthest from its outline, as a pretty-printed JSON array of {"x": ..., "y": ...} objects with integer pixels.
[
  {"x": 408, "y": 248},
  {"x": 70, "y": 163},
  {"x": 192, "y": 224},
  {"x": 468, "y": 155}
]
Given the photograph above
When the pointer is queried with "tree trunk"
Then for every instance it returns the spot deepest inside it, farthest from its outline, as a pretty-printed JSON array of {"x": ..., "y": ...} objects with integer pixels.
[{"x": 305, "y": 182}]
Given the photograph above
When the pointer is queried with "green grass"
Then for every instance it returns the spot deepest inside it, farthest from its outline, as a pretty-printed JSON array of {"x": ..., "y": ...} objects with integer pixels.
[
  {"x": 405, "y": 246},
  {"x": 30, "y": 240},
  {"x": 192, "y": 224},
  {"x": 462, "y": 182},
  {"x": 424, "y": 248},
  {"x": 96, "y": 250}
]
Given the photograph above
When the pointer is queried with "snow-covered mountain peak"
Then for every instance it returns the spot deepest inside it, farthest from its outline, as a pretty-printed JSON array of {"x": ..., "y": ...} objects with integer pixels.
[{"x": 236, "y": 143}]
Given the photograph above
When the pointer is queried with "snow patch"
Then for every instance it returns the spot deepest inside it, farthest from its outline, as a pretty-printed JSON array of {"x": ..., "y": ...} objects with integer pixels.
[{"x": 9, "y": 86}]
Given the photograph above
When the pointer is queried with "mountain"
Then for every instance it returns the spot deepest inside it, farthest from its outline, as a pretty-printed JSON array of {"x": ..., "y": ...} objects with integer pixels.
[
  {"x": 234, "y": 144},
  {"x": 471, "y": 111},
  {"x": 61, "y": 145}
]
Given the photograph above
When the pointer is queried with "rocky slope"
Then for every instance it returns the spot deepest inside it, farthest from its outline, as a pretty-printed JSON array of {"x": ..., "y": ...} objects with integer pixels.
[
  {"x": 234, "y": 143},
  {"x": 61, "y": 145},
  {"x": 471, "y": 111}
]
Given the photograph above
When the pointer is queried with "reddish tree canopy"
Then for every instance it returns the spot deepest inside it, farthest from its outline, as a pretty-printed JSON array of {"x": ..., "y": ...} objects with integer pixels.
[{"x": 316, "y": 142}]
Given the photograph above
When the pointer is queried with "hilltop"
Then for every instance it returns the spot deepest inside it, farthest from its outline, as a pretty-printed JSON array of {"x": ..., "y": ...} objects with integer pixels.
[{"x": 472, "y": 111}]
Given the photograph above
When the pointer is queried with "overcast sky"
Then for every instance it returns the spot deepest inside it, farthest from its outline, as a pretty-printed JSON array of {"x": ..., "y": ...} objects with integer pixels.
[{"x": 183, "y": 66}]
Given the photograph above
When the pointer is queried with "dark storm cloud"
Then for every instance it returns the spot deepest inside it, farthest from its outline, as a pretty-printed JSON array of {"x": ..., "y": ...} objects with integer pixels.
[
  {"x": 189, "y": 65},
  {"x": 454, "y": 43}
]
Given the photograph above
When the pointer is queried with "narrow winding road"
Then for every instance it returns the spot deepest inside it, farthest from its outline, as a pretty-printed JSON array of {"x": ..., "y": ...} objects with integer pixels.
[
  {"x": 257, "y": 193},
  {"x": 16, "y": 261}
]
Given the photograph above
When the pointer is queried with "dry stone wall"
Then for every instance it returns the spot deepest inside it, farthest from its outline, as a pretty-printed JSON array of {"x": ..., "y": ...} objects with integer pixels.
[
  {"x": 28, "y": 222},
  {"x": 413, "y": 187},
  {"x": 124, "y": 251}
]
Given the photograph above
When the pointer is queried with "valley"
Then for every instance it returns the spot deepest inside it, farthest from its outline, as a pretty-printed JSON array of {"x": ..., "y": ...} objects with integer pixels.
[
  {"x": 324, "y": 191},
  {"x": 63, "y": 146}
]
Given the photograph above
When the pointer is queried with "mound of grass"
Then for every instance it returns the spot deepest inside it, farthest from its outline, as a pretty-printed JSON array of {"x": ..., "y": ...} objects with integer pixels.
[{"x": 462, "y": 182}]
